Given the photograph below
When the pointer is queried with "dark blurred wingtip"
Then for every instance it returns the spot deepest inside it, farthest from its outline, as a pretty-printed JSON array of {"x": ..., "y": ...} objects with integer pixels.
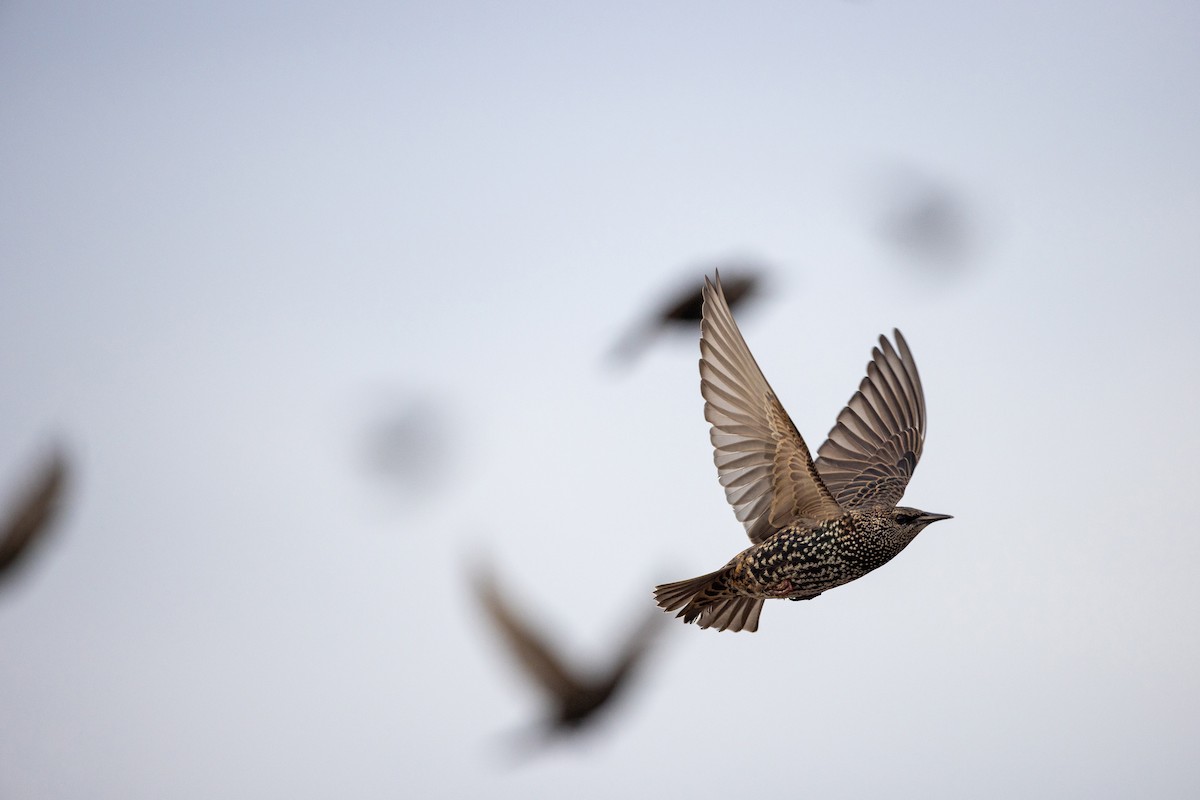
[{"x": 36, "y": 509}]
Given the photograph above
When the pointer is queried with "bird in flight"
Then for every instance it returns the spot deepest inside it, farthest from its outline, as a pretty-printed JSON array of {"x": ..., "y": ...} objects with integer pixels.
[
  {"x": 683, "y": 309},
  {"x": 814, "y": 524},
  {"x": 32, "y": 515},
  {"x": 574, "y": 697}
]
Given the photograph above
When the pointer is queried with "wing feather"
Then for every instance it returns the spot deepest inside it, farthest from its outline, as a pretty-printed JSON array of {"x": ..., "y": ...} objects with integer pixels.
[
  {"x": 762, "y": 461},
  {"x": 872, "y": 450}
]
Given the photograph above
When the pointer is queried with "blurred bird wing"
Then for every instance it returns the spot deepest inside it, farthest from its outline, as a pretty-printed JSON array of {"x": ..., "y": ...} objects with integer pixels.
[
  {"x": 762, "y": 461},
  {"x": 33, "y": 513},
  {"x": 874, "y": 447},
  {"x": 531, "y": 650},
  {"x": 636, "y": 646}
]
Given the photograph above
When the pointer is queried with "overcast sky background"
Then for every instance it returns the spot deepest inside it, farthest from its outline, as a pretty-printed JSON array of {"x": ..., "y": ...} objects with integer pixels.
[{"x": 236, "y": 239}]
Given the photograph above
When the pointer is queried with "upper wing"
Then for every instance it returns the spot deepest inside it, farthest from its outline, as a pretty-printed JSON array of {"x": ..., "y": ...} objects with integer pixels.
[
  {"x": 33, "y": 513},
  {"x": 873, "y": 449},
  {"x": 764, "y": 465},
  {"x": 543, "y": 665}
]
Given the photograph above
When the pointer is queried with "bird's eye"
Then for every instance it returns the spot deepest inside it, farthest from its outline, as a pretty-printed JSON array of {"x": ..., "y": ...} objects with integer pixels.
[{"x": 906, "y": 519}]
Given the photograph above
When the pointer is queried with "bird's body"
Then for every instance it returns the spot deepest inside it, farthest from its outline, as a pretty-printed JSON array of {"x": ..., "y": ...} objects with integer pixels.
[
  {"x": 801, "y": 561},
  {"x": 816, "y": 524}
]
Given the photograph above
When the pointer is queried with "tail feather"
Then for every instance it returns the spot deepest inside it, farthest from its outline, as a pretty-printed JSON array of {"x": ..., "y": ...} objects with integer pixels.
[
  {"x": 709, "y": 602},
  {"x": 733, "y": 613},
  {"x": 673, "y": 596}
]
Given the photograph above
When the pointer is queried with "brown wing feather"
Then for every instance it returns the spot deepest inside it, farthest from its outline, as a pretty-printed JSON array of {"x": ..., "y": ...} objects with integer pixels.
[
  {"x": 762, "y": 461},
  {"x": 874, "y": 447}
]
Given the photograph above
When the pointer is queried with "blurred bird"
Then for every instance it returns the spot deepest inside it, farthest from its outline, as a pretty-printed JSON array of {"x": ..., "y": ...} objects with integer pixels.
[
  {"x": 928, "y": 221},
  {"x": 407, "y": 445},
  {"x": 814, "y": 525},
  {"x": 573, "y": 697},
  {"x": 683, "y": 310},
  {"x": 34, "y": 511}
]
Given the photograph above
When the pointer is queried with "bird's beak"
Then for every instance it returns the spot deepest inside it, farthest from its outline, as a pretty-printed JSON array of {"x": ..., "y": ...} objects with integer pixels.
[{"x": 928, "y": 518}]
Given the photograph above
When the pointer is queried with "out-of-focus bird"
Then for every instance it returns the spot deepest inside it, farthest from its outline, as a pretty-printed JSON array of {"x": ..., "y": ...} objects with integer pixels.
[
  {"x": 32, "y": 515},
  {"x": 406, "y": 446},
  {"x": 573, "y": 697},
  {"x": 928, "y": 222},
  {"x": 682, "y": 309},
  {"x": 814, "y": 524}
]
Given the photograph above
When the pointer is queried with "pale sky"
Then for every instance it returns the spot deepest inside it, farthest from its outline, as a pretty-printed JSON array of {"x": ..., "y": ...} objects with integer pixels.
[{"x": 236, "y": 237}]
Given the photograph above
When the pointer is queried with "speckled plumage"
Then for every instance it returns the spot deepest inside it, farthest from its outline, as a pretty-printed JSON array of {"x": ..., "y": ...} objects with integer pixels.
[{"x": 814, "y": 524}]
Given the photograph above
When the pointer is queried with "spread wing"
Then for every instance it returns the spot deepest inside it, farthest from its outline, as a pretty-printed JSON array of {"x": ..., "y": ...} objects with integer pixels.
[
  {"x": 873, "y": 449},
  {"x": 764, "y": 465},
  {"x": 531, "y": 650}
]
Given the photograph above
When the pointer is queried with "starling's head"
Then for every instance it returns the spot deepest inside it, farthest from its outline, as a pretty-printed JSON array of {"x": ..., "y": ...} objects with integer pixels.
[{"x": 913, "y": 520}]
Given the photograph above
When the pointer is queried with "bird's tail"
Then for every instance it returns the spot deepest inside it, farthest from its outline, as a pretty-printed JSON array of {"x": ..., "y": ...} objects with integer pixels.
[{"x": 710, "y": 603}]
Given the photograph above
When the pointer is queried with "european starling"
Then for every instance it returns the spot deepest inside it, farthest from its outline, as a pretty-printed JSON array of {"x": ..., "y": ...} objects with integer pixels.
[
  {"x": 33, "y": 515},
  {"x": 683, "y": 309},
  {"x": 573, "y": 698},
  {"x": 814, "y": 525}
]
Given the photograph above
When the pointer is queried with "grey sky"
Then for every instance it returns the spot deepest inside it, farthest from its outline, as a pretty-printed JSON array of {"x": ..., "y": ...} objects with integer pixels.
[{"x": 227, "y": 229}]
